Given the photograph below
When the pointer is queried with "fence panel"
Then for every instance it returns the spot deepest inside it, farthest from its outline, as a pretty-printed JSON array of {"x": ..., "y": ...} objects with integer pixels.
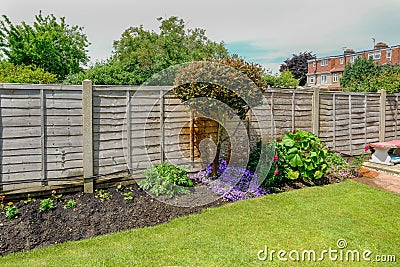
[{"x": 43, "y": 128}]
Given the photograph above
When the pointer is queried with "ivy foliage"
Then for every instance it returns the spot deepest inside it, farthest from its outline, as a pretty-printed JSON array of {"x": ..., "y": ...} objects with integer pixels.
[{"x": 49, "y": 44}]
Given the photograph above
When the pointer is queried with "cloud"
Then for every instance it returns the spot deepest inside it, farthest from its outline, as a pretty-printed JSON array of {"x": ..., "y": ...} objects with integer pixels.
[{"x": 266, "y": 31}]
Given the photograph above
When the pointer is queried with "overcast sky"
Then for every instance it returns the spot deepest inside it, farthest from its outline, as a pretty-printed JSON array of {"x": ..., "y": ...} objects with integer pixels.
[{"x": 266, "y": 32}]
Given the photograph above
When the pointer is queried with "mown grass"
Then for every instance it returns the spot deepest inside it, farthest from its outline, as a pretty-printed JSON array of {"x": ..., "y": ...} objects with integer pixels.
[{"x": 312, "y": 218}]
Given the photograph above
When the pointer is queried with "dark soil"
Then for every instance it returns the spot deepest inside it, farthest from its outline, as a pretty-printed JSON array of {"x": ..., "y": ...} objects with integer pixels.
[{"x": 91, "y": 217}]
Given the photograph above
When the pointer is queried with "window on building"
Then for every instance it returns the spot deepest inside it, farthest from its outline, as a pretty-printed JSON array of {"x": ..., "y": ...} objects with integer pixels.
[
  {"x": 324, "y": 79},
  {"x": 353, "y": 58},
  {"x": 312, "y": 79},
  {"x": 378, "y": 55},
  {"x": 341, "y": 61},
  {"x": 314, "y": 64},
  {"x": 389, "y": 54},
  {"x": 335, "y": 77},
  {"x": 324, "y": 62}
]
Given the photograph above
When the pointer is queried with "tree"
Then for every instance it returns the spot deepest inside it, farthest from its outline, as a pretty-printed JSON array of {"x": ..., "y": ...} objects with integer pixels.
[
  {"x": 284, "y": 80},
  {"x": 141, "y": 53},
  {"x": 233, "y": 81},
  {"x": 53, "y": 46},
  {"x": 357, "y": 76},
  {"x": 367, "y": 76},
  {"x": 298, "y": 66}
]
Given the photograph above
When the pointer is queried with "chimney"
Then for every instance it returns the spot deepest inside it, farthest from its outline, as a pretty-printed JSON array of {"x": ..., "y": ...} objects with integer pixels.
[
  {"x": 349, "y": 51},
  {"x": 381, "y": 45}
]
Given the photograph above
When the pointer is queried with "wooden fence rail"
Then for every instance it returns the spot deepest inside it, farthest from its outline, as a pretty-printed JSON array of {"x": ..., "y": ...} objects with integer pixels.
[{"x": 55, "y": 134}]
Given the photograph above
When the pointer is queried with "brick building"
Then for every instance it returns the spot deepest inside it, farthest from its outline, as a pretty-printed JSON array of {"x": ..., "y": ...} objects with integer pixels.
[{"x": 326, "y": 72}]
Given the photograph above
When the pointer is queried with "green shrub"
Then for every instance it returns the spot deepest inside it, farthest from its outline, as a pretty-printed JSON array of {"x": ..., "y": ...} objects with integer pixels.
[
  {"x": 104, "y": 73},
  {"x": 166, "y": 179},
  {"x": 10, "y": 73},
  {"x": 301, "y": 155}
]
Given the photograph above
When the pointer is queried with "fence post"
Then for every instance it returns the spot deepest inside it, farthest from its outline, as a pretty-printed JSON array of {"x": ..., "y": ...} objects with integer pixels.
[
  {"x": 315, "y": 111},
  {"x": 87, "y": 122},
  {"x": 162, "y": 133},
  {"x": 382, "y": 117}
]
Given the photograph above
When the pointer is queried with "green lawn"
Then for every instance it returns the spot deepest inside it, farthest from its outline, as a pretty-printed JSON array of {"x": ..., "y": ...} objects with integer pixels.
[{"x": 307, "y": 219}]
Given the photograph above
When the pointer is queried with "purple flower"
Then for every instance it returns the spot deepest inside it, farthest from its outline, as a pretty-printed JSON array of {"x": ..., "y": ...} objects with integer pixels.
[
  {"x": 276, "y": 171},
  {"x": 276, "y": 158},
  {"x": 231, "y": 183},
  {"x": 366, "y": 148}
]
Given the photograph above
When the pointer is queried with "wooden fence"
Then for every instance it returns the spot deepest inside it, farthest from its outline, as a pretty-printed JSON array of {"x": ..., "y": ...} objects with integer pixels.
[{"x": 55, "y": 134}]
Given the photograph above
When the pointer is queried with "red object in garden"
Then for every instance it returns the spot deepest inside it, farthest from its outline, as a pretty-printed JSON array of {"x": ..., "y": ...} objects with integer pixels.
[
  {"x": 381, "y": 154},
  {"x": 389, "y": 144}
]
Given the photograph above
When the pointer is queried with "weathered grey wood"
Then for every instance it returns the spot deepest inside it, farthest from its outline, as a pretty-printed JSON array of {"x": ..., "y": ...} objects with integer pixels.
[
  {"x": 162, "y": 133},
  {"x": 382, "y": 120},
  {"x": 43, "y": 136},
  {"x": 334, "y": 119},
  {"x": 87, "y": 125},
  {"x": 315, "y": 111},
  {"x": 272, "y": 116},
  {"x": 350, "y": 126}
]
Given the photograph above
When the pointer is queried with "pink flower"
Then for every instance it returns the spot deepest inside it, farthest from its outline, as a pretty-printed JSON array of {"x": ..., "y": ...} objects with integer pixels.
[
  {"x": 276, "y": 171},
  {"x": 276, "y": 157},
  {"x": 366, "y": 148}
]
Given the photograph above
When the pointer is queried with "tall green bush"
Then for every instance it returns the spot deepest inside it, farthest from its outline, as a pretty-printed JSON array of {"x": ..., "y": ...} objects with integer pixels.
[
  {"x": 49, "y": 44},
  {"x": 9, "y": 73}
]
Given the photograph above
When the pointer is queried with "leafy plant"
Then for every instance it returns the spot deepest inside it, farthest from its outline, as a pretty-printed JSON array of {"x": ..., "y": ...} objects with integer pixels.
[
  {"x": 103, "y": 195},
  {"x": 340, "y": 168},
  {"x": 46, "y": 205},
  {"x": 55, "y": 196},
  {"x": 166, "y": 179},
  {"x": 11, "y": 211},
  {"x": 70, "y": 204},
  {"x": 261, "y": 157},
  {"x": 128, "y": 195},
  {"x": 301, "y": 155},
  {"x": 29, "y": 200}
]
